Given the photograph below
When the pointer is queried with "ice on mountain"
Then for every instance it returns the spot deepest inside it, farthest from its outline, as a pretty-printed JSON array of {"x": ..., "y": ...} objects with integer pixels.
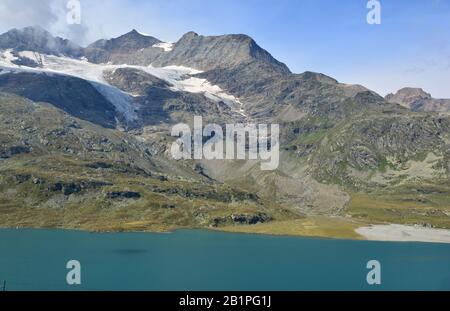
[
  {"x": 7, "y": 57},
  {"x": 34, "y": 56},
  {"x": 122, "y": 101},
  {"x": 166, "y": 46},
  {"x": 180, "y": 77}
]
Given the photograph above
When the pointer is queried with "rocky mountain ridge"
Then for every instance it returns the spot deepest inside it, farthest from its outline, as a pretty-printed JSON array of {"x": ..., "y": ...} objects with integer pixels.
[
  {"x": 340, "y": 144},
  {"x": 417, "y": 99},
  {"x": 39, "y": 40}
]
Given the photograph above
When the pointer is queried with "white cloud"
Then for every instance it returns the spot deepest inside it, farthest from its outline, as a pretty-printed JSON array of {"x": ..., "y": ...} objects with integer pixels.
[
  {"x": 99, "y": 19},
  {"x": 18, "y": 14},
  {"x": 49, "y": 14}
]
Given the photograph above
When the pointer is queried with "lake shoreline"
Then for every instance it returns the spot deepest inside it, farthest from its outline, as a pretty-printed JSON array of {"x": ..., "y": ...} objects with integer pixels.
[
  {"x": 376, "y": 232},
  {"x": 404, "y": 233}
]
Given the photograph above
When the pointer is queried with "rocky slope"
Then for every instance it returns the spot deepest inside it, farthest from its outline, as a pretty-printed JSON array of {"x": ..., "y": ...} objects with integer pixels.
[
  {"x": 75, "y": 96},
  {"x": 39, "y": 40},
  {"x": 126, "y": 49},
  {"x": 214, "y": 52},
  {"x": 418, "y": 100},
  {"x": 57, "y": 170}
]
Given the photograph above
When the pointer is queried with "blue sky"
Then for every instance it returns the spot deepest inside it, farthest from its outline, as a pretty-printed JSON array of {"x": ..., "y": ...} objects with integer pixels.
[{"x": 411, "y": 47}]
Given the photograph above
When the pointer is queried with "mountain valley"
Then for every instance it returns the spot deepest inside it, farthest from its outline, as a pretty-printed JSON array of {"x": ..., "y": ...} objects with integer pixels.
[{"x": 85, "y": 141}]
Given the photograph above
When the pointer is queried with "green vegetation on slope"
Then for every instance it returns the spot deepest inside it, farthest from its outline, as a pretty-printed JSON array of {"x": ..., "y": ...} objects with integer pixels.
[{"x": 401, "y": 208}]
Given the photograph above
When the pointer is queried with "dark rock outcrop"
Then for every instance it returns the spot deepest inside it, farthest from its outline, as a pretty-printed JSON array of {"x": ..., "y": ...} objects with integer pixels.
[
  {"x": 8, "y": 152},
  {"x": 211, "y": 194},
  {"x": 68, "y": 188},
  {"x": 21, "y": 178},
  {"x": 123, "y": 195},
  {"x": 99, "y": 165},
  {"x": 242, "y": 219},
  {"x": 75, "y": 96}
]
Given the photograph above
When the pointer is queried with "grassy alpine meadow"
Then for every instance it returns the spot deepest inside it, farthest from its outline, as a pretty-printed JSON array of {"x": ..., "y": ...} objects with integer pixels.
[
  {"x": 107, "y": 199},
  {"x": 430, "y": 210}
]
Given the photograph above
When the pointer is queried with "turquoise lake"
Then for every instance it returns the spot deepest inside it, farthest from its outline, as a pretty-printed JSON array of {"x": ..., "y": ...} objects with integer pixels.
[{"x": 207, "y": 260}]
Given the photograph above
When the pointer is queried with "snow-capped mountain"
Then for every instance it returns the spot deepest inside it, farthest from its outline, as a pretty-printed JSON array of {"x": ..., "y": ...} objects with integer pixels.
[
  {"x": 229, "y": 72},
  {"x": 39, "y": 40},
  {"x": 180, "y": 79},
  {"x": 116, "y": 100}
]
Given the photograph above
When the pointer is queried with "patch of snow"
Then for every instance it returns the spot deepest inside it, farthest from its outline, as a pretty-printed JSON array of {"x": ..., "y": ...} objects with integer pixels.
[
  {"x": 142, "y": 33},
  {"x": 93, "y": 73},
  {"x": 34, "y": 56},
  {"x": 181, "y": 80},
  {"x": 122, "y": 101},
  {"x": 7, "y": 65},
  {"x": 7, "y": 58},
  {"x": 166, "y": 46},
  {"x": 180, "y": 77}
]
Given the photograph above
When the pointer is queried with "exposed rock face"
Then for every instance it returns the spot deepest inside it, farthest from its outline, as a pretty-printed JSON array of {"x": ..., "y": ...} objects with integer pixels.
[
  {"x": 99, "y": 165},
  {"x": 125, "y": 49},
  {"x": 128, "y": 42},
  {"x": 39, "y": 40},
  {"x": 207, "y": 53},
  {"x": 241, "y": 219},
  {"x": 250, "y": 219},
  {"x": 68, "y": 188},
  {"x": 381, "y": 142},
  {"x": 288, "y": 97},
  {"x": 417, "y": 99},
  {"x": 123, "y": 195},
  {"x": 208, "y": 194},
  {"x": 7, "y": 152},
  {"x": 235, "y": 63},
  {"x": 44, "y": 129},
  {"x": 75, "y": 96},
  {"x": 192, "y": 50},
  {"x": 21, "y": 178},
  {"x": 159, "y": 103},
  {"x": 25, "y": 61},
  {"x": 135, "y": 81}
]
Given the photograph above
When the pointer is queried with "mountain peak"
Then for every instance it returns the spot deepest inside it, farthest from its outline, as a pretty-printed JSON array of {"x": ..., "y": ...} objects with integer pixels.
[
  {"x": 37, "y": 39},
  {"x": 31, "y": 32},
  {"x": 311, "y": 75},
  {"x": 189, "y": 35},
  {"x": 413, "y": 91},
  {"x": 136, "y": 33},
  {"x": 132, "y": 40},
  {"x": 224, "y": 51},
  {"x": 120, "y": 49},
  {"x": 408, "y": 95},
  {"x": 35, "y": 28},
  {"x": 417, "y": 99}
]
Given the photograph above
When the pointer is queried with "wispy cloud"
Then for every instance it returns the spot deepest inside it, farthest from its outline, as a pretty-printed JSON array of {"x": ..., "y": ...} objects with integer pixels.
[
  {"x": 49, "y": 14},
  {"x": 23, "y": 13}
]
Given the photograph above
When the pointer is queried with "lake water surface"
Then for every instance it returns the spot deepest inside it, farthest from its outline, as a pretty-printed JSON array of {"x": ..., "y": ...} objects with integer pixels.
[{"x": 207, "y": 260}]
